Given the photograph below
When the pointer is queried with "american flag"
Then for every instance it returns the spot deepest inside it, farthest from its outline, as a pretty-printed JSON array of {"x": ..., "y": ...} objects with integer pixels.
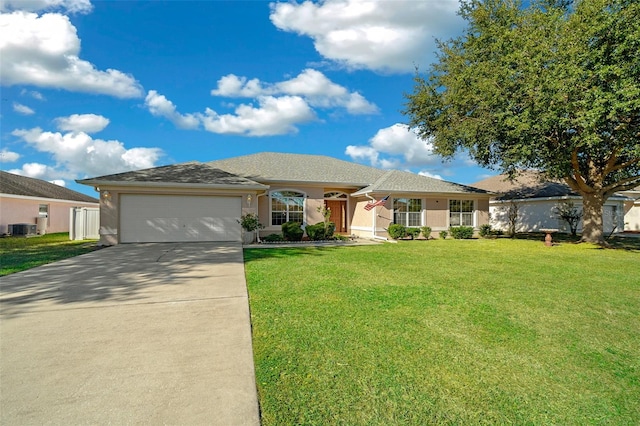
[{"x": 380, "y": 202}]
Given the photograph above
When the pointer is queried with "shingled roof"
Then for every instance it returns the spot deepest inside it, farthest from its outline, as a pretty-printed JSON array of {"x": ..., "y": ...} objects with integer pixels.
[
  {"x": 191, "y": 173},
  {"x": 399, "y": 181},
  {"x": 30, "y": 187},
  {"x": 279, "y": 167}
]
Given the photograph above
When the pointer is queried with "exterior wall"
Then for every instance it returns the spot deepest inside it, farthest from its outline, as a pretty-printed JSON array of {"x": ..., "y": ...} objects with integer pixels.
[
  {"x": 110, "y": 205},
  {"x": 632, "y": 216},
  {"x": 534, "y": 215},
  {"x": 20, "y": 209},
  {"x": 437, "y": 213}
]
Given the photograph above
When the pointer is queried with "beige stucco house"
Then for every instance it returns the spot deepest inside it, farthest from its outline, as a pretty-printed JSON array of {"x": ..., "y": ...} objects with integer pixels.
[
  {"x": 25, "y": 200},
  {"x": 536, "y": 198},
  {"x": 632, "y": 210},
  {"x": 203, "y": 201}
]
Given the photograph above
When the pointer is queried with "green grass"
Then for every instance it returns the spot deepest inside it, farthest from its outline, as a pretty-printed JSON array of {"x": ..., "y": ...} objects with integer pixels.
[
  {"x": 19, "y": 254},
  {"x": 447, "y": 332}
]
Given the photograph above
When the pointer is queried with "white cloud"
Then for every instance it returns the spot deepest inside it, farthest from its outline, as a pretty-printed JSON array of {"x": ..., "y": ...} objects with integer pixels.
[
  {"x": 78, "y": 154},
  {"x": 273, "y": 116},
  {"x": 88, "y": 123},
  {"x": 22, "y": 109},
  {"x": 40, "y": 171},
  {"x": 58, "y": 182},
  {"x": 393, "y": 147},
  {"x": 8, "y": 156},
  {"x": 34, "y": 94},
  {"x": 431, "y": 175},
  {"x": 71, "y": 6},
  {"x": 160, "y": 106},
  {"x": 312, "y": 85},
  {"x": 43, "y": 51},
  {"x": 388, "y": 36}
]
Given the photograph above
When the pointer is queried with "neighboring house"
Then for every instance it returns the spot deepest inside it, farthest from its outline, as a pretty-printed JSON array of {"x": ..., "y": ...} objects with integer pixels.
[
  {"x": 536, "y": 200},
  {"x": 632, "y": 209},
  {"x": 203, "y": 201},
  {"x": 37, "y": 202}
]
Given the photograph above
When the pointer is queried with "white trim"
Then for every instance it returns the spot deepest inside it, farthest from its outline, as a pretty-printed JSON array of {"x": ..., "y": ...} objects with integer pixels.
[
  {"x": 474, "y": 213},
  {"x": 55, "y": 200},
  {"x": 304, "y": 204},
  {"x": 423, "y": 210}
]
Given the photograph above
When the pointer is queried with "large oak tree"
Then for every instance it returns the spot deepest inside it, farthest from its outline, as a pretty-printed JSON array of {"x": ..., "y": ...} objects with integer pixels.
[{"x": 553, "y": 86}]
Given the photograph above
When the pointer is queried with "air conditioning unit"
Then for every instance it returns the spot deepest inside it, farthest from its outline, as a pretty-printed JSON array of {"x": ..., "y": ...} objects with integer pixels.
[{"x": 22, "y": 229}]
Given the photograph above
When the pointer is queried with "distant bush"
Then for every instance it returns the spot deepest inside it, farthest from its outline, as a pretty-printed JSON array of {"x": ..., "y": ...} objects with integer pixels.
[
  {"x": 485, "y": 230},
  {"x": 397, "y": 231},
  {"x": 413, "y": 233},
  {"x": 272, "y": 238},
  {"x": 426, "y": 232},
  {"x": 318, "y": 232},
  {"x": 443, "y": 234},
  {"x": 461, "y": 232},
  {"x": 292, "y": 231}
]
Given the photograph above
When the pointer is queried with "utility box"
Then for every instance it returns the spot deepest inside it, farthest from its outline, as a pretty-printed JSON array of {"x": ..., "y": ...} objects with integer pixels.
[{"x": 22, "y": 229}]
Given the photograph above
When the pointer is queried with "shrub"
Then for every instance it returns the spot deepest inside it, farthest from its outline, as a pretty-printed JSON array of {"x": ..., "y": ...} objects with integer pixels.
[
  {"x": 461, "y": 232},
  {"x": 443, "y": 234},
  {"x": 292, "y": 231},
  {"x": 318, "y": 231},
  {"x": 250, "y": 222},
  {"x": 426, "y": 232},
  {"x": 397, "y": 231},
  {"x": 485, "y": 230},
  {"x": 413, "y": 232},
  {"x": 271, "y": 238}
]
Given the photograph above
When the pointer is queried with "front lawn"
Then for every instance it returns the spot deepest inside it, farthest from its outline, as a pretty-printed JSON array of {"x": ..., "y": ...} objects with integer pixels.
[
  {"x": 19, "y": 253},
  {"x": 446, "y": 332}
]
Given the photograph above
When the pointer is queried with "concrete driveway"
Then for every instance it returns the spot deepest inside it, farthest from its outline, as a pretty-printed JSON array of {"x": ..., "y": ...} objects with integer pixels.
[{"x": 131, "y": 334}]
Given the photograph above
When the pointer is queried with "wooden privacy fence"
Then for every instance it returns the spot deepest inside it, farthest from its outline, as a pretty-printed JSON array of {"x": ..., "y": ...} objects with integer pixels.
[{"x": 84, "y": 223}]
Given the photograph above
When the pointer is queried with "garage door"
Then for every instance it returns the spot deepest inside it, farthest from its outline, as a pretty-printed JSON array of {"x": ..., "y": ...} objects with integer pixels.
[{"x": 169, "y": 218}]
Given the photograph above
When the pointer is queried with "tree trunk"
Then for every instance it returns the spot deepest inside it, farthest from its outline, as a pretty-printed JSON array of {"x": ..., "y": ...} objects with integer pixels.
[{"x": 592, "y": 225}]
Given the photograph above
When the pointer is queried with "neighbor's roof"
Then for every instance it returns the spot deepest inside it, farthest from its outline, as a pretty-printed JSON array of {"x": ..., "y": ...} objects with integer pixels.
[
  {"x": 192, "y": 173},
  {"x": 30, "y": 187},
  {"x": 302, "y": 168},
  {"x": 528, "y": 184},
  {"x": 395, "y": 181}
]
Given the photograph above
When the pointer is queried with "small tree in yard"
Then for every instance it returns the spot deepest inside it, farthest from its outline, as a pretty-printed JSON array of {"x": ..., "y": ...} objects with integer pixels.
[
  {"x": 552, "y": 85},
  {"x": 568, "y": 212},
  {"x": 512, "y": 218}
]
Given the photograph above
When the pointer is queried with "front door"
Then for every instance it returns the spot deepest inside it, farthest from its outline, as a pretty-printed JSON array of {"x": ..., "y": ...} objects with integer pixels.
[{"x": 338, "y": 213}]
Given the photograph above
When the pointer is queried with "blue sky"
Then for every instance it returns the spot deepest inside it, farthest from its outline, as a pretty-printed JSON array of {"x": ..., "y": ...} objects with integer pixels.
[{"x": 94, "y": 88}]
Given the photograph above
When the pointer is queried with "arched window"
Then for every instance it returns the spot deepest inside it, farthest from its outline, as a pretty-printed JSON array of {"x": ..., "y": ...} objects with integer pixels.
[
  {"x": 286, "y": 206},
  {"x": 335, "y": 195}
]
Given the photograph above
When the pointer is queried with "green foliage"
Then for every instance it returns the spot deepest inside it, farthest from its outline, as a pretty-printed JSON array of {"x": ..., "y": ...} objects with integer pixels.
[
  {"x": 553, "y": 86},
  {"x": 461, "y": 232},
  {"x": 443, "y": 234},
  {"x": 250, "y": 222},
  {"x": 485, "y": 230},
  {"x": 292, "y": 231},
  {"x": 426, "y": 232},
  {"x": 413, "y": 233},
  {"x": 458, "y": 332},
  {"x": 19, "y": 254},
  {"x": 320, "y": 231},
  {"x": 397, "y": 231},
  {"x": 273, "y": 238}
]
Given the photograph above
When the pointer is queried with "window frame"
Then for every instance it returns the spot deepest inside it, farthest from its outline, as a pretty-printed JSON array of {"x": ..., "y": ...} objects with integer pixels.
[
  {"x": 302, "y": 195},
  {"x": 462, "y": 213},
  {"x": 41, "y": 213},
  {"x": 408, "y": 216}
]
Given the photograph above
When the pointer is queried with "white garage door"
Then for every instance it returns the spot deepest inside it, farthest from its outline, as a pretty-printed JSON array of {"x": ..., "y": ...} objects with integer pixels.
[{"x": 178, "y": 218}]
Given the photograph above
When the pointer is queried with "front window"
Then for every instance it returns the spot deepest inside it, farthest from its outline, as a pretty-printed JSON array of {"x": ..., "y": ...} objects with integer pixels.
[
  {"x": 461, "y": 212},
  {"x": 407, "y": 211},
  {"x": 43, "y": 210},
  {"x": 286, "y": 206}
]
